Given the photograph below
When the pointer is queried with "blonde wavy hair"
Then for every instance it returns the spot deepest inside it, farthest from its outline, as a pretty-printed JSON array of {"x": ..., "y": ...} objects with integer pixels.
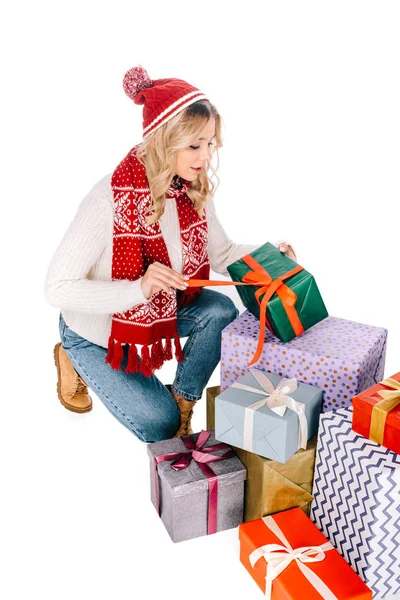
[{"x": 158, "y": 155}]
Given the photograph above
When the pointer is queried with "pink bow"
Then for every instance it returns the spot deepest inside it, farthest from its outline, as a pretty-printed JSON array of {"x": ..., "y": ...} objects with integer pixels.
[{"x": 202, "y": 456}]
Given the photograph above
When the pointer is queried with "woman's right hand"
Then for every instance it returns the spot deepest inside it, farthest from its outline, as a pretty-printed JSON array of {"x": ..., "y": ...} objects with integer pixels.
[{"x": 160, "y": 277}]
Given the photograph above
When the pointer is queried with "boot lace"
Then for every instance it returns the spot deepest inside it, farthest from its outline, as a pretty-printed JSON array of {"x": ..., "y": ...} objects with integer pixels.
[{"x": 81, "y": 387}]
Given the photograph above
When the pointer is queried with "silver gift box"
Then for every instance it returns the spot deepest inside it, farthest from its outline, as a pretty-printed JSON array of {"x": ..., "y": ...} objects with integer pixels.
[{"x": 184, "y": 494}]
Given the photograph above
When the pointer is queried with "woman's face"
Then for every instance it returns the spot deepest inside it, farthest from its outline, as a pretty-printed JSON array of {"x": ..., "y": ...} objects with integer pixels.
[{"x": 190, "y": 161}]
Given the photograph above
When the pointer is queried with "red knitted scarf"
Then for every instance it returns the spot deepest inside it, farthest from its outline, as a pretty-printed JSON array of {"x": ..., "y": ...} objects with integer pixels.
[{"x": 135, "y": 246}]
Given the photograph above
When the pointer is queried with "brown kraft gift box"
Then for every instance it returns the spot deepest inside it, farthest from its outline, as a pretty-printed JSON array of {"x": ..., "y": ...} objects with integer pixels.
[{"x": 272, "y": 486}]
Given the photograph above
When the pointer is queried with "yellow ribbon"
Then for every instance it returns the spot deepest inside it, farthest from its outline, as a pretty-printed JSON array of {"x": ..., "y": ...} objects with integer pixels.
[{"x": 391, "y": 399}]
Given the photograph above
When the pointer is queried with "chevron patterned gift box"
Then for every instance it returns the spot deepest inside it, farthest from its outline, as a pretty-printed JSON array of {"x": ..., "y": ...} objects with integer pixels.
[
  {"x": 357, "y": 501},
  {"x": 340, "y": 357}
]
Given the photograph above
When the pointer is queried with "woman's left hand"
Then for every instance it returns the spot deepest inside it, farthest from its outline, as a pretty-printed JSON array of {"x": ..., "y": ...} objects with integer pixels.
[{"x": 288, "y": 250}]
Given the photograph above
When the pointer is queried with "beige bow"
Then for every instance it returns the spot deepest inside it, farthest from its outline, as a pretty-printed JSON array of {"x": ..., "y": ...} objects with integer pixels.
[{"x": 278, "y": 400}]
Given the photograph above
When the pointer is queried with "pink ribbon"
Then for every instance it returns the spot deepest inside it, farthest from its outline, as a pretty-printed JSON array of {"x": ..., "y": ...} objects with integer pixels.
[{"x": 202, "y": 456}]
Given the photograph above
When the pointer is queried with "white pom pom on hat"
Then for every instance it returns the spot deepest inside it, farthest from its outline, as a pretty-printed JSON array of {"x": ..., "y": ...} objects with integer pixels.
[
  {"x": 162, "y": 98},
  {"x": 136, "y": 79}
]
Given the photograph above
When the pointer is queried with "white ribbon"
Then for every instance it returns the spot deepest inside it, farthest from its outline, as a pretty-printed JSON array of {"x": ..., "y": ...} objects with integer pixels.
[
  {"x": 279, "y": 557},
  {"x": 277, "y": 400}
]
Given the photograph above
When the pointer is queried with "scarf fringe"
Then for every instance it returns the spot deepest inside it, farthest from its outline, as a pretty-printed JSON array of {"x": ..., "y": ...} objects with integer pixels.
[
  {"x": 117, "y": 356},
  {"x": 133, "y": 360},
  {"x": 149, "y": 362},
  {"x": 110, "y": 350},
  {"x": 178, "y": 349},
  {"x": 167, "y": 351},
  {"x": 146, "y": 366},
  {"x": 157, "y": 355}
]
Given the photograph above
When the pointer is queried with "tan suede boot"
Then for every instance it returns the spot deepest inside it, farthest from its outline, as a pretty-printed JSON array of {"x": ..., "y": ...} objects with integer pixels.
[
  {"x": 71, "y": 389},
  {"x": 186, "y": 410}
]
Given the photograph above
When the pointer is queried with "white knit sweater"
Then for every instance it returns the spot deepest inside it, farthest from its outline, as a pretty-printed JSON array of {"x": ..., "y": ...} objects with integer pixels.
[{"x": 79, "y": 280}]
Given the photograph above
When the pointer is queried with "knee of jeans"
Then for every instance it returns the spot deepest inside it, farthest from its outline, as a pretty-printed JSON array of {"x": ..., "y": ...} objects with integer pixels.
[
  {"x": 226, "y": 311},
  {"x": 159, "y": 430}
]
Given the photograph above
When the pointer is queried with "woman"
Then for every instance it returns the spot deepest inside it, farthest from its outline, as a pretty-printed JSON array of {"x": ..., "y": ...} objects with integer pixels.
[{"x": 120, "y": 275}]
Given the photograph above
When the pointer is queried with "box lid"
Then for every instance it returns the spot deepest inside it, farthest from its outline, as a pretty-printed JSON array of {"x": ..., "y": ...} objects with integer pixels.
[{"x": 192, "y": 480}]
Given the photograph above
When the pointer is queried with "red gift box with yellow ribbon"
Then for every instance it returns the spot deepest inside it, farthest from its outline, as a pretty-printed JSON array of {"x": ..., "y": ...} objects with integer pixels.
[{"x": 376, "y": 413}]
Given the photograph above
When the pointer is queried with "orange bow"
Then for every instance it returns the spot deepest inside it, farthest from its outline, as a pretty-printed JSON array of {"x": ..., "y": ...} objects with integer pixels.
[
  {"x": 261, "y": 278},
  {"x": 268, "y": 287}
]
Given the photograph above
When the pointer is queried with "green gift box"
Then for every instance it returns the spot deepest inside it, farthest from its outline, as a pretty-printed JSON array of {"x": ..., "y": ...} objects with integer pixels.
[{"x": 295, "y": 303}]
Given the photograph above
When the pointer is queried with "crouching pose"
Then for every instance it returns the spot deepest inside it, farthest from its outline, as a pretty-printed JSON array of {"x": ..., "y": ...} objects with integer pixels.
[{"x": 120, "y": 274}]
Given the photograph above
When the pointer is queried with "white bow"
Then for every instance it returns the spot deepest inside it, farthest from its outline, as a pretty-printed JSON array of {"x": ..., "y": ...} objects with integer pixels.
[
  {"x": 277, "y": 400},
  {"x": 279, "y": 557}
]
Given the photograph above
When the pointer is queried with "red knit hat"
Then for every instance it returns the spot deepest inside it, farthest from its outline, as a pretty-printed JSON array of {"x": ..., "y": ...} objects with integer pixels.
[{"x": 162, "y": 98}]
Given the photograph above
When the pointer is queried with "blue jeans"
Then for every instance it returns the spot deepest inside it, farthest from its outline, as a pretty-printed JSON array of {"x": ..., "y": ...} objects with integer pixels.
[{"x": 143, "y": 404}]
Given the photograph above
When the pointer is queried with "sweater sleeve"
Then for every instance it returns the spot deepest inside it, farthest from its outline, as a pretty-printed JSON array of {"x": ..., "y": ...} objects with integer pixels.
[
  {"x": 68, "y": 284},
  {"x": 222, "y": 251}
]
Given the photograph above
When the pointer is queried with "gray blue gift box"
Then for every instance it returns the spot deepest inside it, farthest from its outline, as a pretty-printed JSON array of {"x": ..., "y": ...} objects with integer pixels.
[{"x": 274, "y": 436}]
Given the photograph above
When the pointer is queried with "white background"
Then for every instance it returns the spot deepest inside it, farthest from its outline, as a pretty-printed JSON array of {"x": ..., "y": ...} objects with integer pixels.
[{"x": 309, "y": 94}]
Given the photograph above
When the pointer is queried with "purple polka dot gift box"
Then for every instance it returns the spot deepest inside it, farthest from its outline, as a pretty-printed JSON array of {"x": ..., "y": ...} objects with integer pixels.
[{"x": 341, "y": 357}]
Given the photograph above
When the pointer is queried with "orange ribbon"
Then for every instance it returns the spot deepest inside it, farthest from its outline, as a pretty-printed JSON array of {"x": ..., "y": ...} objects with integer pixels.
[{"x": 261, "y": 278}]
